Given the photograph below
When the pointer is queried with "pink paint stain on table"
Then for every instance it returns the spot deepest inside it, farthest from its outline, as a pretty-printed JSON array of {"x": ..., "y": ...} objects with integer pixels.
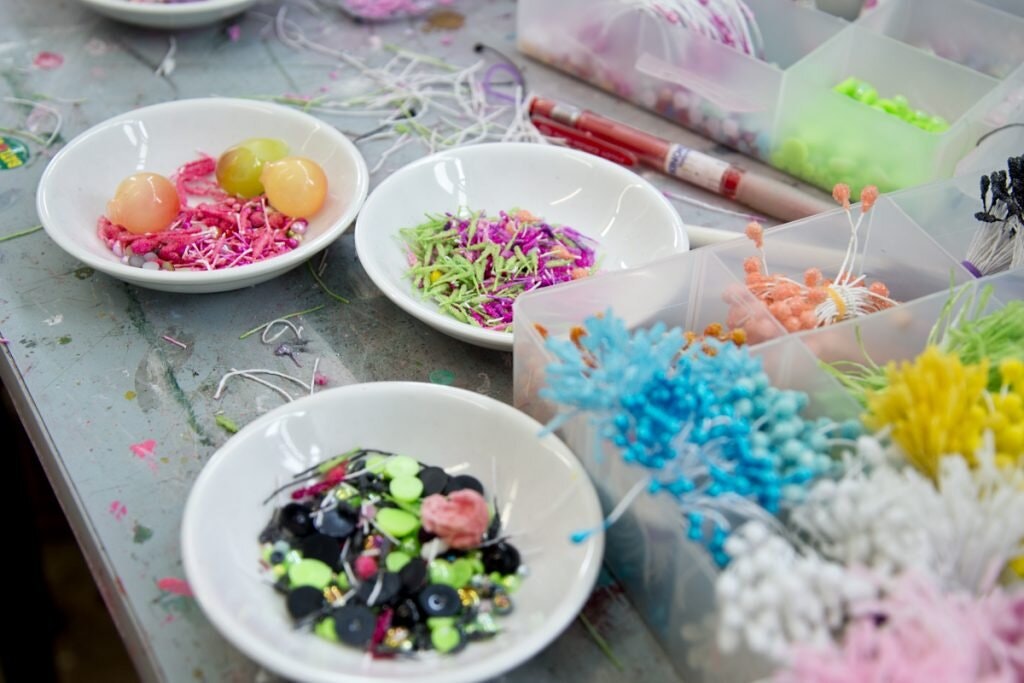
[
  {"x": 48, "y": 60},
  {"x": 170, "y": 584},
  {"x": 118, "y": 510},
  {"x": 144, "y": 451}
]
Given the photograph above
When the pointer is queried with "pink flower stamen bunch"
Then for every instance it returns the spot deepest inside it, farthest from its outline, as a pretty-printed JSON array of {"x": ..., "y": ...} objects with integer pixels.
[
  {"x": 817, "y": 301},
  {"x": 920, "y": 634},
  {"x": 222, "y": 232}
]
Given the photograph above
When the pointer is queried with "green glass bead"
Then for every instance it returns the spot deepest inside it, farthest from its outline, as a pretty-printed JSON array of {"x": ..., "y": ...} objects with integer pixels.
[
  {"x": 325, "y": 629},
  {"x": 309, "y": 573},
  {"x": 461, "y": 572},
  {"x": 397, "y": 523},
  {"x": 401, "y": 466},
  {"x": 440, "y": 572},
  {"x": 410, "y": 546},
  {"x": 866, "y": 94},
  {"x": 375, "y": 463},
  {"x": 406, "y": 488},
  {"x": 848, "y": 87},
  {"x": 439, "y": 622},
  {"x": 396, "y": 560},
  {"x": 445, "y": 638}
]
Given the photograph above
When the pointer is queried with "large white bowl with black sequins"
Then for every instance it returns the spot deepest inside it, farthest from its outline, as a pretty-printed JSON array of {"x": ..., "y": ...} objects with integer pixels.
[
  {"x": 543, "y": 495},
  {"x": 79, "y": 181},
  {"x": 169, "y": 15}
]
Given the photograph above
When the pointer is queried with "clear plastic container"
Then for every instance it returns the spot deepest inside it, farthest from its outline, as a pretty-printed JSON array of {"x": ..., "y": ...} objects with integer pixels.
[
  {"x": 1015, "y": 7},
  {"x": 716, "y": 90},
  {"x": 826, "y": 137},
  {"x": 782, "y": 109},
  {"x": 961, "y": 31},
  {"x": 668, "y": 578},
  {"x": 945, "y": 210},
  {"x": 675, "y": 290},
  {"x": 892, "y": 249}
]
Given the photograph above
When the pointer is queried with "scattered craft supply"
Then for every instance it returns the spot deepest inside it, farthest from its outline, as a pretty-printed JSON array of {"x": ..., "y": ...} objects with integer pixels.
[
  {"x": 409, "y": 98},
  {"x": 897, "y": 106},
  {"x": 709, "y": 428},
  {"x": 997, "y": 245},
  {"x": 226, "y": 423},
  {"x": 172, "y": 340},
  {"x": 323, "y": 285},
  {"x": 21, "y": 233},
  {"x": 817, "y": 301},
  {"x": 474, "y": 266},
  {"x": 266, "y": 325},
  {"x": 380, "y": 552},
  {"x": 150, "y": 225},
  {"x": 254, "y": 375}
]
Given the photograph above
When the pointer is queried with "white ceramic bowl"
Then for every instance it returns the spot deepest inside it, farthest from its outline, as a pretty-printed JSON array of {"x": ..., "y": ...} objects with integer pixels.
[
  {"x": 81, "y": 179},
  {"x": 542, "y": 490},
  {"x": 169, "y": 15},
  {"x": 631, "y": 221}
]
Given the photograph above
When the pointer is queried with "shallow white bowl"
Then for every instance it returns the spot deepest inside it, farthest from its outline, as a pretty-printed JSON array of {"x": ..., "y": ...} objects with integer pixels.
[
  {"x": 79, "y": 181},
  {"x": 629, "y": 218},
  {"x": 169, "y": 16},
  {"x": 542, "y": 490}
]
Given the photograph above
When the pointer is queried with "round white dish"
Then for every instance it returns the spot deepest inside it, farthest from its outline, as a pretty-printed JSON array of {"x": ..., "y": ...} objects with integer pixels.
[
  {"x": 542, "y": 490},
  {"x": 169, "y": 15},
  {"x": 631, "y": 221},
  {"x": 74, "y": 190}
]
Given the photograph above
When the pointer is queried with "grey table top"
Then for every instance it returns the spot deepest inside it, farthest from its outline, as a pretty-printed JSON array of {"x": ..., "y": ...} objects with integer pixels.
[{"x": 92, "y": 376}]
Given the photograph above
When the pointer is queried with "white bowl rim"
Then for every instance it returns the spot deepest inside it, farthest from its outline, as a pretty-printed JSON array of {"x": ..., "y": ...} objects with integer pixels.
[
  {"x": 405, "y": 298},
  {"x": 283, "y": 664},
  {"x": 169, "y": 9},
  {"x": 282, "y": 262}
]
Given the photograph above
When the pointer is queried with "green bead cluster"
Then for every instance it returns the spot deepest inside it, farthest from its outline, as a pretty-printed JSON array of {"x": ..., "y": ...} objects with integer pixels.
[{"x": 896, "y": 106}]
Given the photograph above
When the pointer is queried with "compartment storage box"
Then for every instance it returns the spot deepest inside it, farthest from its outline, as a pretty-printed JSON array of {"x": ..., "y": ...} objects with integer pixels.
[
  {"x": 667, "y": 577},
  {"x": 633, "y": 51},
  {"x": 959, "y": 59}
]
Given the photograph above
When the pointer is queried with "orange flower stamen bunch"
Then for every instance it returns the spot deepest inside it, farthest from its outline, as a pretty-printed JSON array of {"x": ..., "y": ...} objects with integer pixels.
[{"x": 818, "y": 301}]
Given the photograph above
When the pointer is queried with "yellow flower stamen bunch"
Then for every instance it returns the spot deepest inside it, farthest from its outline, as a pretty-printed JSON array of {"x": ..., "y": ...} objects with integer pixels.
[
  {"x": 1006, "y": 418},
  {"x": 932, "y": 406}
]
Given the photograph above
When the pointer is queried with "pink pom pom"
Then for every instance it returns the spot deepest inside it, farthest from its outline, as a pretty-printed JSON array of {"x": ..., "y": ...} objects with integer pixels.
[{"x": 460, "y": 519}]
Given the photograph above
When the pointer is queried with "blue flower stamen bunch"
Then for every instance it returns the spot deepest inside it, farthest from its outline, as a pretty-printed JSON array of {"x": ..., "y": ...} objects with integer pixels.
[{"x": 706, "y": 423}]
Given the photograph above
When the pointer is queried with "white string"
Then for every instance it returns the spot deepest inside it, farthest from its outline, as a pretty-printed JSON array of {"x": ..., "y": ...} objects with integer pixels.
[
  {"x": 243, "y": 373},
  {"x": 279, "y": 321},
  {"x": 167, "y": 64},
  {"x": 58, "y": 119}
]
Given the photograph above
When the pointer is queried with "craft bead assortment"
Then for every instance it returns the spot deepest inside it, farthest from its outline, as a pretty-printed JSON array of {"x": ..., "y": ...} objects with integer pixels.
[{"x": 381, "y": 552}]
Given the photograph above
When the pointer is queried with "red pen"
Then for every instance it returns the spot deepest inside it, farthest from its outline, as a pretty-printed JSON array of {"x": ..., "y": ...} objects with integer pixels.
[
  {"x": 584, "y": 141},
  {"x": 761, "y": 193}
]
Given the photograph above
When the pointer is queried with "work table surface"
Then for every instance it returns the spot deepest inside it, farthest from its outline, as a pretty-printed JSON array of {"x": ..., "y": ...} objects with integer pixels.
[{"x": 92, "y": 375}]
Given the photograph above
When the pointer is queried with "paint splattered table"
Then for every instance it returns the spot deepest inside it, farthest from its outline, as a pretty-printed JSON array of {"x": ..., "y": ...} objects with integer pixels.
[{"x": 122, "y": 419}]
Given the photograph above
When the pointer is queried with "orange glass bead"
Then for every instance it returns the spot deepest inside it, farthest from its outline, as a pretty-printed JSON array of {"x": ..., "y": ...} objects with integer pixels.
[
  {"x": 144, "y": 202},
  {"x": 295, "y": 186}
]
